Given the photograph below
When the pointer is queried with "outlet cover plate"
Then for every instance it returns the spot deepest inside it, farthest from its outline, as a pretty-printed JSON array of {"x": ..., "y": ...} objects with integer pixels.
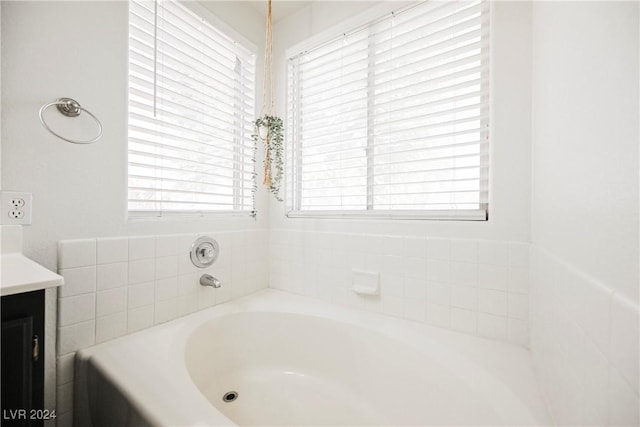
[{"x": 15, "y": 208}]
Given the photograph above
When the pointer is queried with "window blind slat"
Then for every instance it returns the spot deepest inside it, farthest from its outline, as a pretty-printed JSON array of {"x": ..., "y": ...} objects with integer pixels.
[
  {"x": 152, "y": 136},
  {"x": 138, "y": 156},
  {"x": 435, "y": 182},
  {"x": 467, "y": 135},
  {"x": 186, "y": 129},
  {"x": 185, "y": 154},
  {"x": 429, "y": 36},
  {"x": 184, "y": 81},
  {"x": 416, "y": 95},
  {"x": 185, "y": 20},
  {"x": 421, "y": 43},
  {"x": 405, "y": 161},
  {"x": 379, "y": 151},
  {"x": 421, "y": 173},
  {"x": 177, "y": 182},
  {"x": 143, "y": 90},
  {"x": 139, "y": 168},
  {"x": 386, "y": 121},
  {"x": 144, "y": 113},
  {"x": 169, "y": 205},
  {"x": 422, "y": 58},
  {"x": 414, "y": 132},
  {"x": 210, "y": 151}
]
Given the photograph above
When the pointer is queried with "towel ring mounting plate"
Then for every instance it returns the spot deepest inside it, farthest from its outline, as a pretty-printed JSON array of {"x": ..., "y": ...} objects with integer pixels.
[{"x": 68, "y": 107}]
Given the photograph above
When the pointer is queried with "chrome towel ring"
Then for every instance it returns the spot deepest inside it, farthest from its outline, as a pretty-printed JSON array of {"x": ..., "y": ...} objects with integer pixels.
[{"x": 69, "y": 108}]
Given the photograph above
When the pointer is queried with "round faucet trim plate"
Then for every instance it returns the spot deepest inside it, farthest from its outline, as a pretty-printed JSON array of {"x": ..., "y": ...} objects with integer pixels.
[{"x": 204, "y": 252}]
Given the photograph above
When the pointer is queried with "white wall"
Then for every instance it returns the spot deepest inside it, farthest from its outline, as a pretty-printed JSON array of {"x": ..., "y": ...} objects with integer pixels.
[
  {"x": 79, "y": 191},
  {"x": 585, "y": 210},
  {"x": 585, "y": 189},
  {"x": 509, "y": 209}
]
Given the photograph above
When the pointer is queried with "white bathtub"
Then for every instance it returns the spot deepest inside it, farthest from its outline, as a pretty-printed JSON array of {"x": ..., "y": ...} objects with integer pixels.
[{"x": 297, "y": 361}]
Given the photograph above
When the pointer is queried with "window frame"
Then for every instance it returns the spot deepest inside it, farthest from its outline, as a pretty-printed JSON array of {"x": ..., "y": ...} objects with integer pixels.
[
  {"x": 171, "y": 215},
  {"x": 367, "y": 21}
]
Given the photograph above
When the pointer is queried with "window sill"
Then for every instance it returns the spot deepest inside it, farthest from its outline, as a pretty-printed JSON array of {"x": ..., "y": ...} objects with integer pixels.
[
  {"x": 467, "y": 215},
  {"x": 177, "y": 216}
]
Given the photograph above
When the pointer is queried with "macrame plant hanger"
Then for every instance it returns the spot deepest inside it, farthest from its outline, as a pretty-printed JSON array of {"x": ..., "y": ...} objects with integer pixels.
[
  {"x": 268, "y": 105},
  {"x": 269, "y": 127}
]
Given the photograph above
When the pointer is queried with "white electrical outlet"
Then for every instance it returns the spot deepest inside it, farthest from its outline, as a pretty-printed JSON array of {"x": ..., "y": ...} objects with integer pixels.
[{"x": 15, "y": 208}]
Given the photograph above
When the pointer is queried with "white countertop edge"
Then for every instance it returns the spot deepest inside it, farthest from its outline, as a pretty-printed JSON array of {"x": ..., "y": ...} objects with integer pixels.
[{"x": 19, "y": 274}]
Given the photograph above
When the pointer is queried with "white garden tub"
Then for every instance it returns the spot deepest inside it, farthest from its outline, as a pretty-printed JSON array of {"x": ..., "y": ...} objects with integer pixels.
[{"x": 296, "y": 361}]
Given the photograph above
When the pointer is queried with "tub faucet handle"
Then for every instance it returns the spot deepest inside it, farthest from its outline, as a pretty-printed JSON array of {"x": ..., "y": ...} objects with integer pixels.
[{"x": 209, "y": 280}]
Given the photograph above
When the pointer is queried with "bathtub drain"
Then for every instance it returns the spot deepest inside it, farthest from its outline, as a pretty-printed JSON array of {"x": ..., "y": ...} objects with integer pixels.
[{"x": 230, "y": 396}]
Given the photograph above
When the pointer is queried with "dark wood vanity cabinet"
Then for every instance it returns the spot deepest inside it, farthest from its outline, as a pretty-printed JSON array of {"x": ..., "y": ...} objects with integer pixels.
[{"x": 22, "y": 374}]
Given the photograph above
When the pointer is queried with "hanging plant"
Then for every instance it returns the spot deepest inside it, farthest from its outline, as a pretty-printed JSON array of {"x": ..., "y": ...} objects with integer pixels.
[{"x": 269, "y": 128}]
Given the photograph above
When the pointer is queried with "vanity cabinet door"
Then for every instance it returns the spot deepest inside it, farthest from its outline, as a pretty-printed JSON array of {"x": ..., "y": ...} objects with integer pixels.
[
  {"x": 22, "y": 374},
  {"x": 17, "y": 370}
]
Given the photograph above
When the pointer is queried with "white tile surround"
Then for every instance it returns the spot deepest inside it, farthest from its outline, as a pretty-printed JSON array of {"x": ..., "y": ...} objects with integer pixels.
[
  {"x": 473, "y": 286},
  {"x": 584, "y": 343},
  {"x": 117, "y": 286},
  {"x": 584, "y": 337}
]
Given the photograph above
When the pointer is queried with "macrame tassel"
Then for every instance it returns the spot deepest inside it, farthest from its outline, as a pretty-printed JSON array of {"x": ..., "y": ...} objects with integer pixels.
[{"x": 267, "y": 181}]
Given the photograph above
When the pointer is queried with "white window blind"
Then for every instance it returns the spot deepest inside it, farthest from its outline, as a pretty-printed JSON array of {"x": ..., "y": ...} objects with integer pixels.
[
  {"x": 392, "y": 118},
  {"x": 191, "y": 105}
]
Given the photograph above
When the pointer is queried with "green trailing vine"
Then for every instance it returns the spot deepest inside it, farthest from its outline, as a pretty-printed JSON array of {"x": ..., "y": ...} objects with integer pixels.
[{"x": 273, "y": 131}]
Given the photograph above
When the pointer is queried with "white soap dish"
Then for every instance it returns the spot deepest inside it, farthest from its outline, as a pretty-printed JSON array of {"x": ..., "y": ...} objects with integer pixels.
[{"x": 365, "y": 282}]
